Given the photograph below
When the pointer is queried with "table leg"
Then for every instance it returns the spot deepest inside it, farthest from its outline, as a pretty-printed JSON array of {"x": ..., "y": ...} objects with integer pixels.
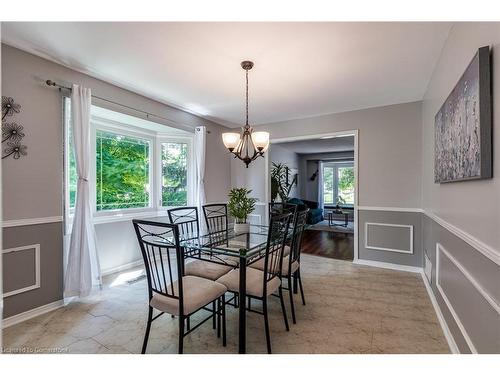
[{"x": 243, "y": 304}]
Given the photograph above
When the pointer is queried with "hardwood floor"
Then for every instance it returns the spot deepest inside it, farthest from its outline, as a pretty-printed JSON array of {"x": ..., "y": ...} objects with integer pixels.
[{"x": 328, "y": 244}]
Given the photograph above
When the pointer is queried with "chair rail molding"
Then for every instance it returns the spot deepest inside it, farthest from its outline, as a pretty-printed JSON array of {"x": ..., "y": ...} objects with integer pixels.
[
  {"x": 32, "y": 221},
  {"x": 390, "y": 209},
  {"x": 410, "y": 251},
  {"x": 36, "y": 285},
  {"x": 477, "y": 244}
]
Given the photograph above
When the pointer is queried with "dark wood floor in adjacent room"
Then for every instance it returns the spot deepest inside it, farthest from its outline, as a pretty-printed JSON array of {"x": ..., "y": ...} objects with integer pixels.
[{"x": 328, "y": 244}]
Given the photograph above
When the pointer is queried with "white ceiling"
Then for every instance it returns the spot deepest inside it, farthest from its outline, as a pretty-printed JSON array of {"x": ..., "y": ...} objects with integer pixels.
[
  {"x": 301, "y": 69},
  {"x": 316, "y": 146}
]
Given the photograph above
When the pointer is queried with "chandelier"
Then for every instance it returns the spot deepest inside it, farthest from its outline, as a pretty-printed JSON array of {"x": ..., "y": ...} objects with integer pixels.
[{"x": 249, "y": 145}]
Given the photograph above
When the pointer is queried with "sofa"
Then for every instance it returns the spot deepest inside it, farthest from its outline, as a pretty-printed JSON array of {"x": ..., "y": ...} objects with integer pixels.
[{"x": 315, "y": 214}]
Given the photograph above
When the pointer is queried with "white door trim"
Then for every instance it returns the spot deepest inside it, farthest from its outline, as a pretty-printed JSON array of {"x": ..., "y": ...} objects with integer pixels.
[{"x": 344, "y": 133}]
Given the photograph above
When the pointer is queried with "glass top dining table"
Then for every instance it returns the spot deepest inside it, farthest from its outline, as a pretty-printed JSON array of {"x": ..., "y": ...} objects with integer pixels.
[{"x": 229, "y": 248}]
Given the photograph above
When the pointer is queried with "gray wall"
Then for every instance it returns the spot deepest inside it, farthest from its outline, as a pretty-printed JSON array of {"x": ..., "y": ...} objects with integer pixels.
[
  {"x": 33, "y": 185},
  {"x": 472, "y": 208},
  {"x": 49, "y": 237},
  {"x": 387, "y": 242},
  {"x": 476, "y": 314},
  {"x": 389, "y": 161},
  {"x": 389, "y": 149}
]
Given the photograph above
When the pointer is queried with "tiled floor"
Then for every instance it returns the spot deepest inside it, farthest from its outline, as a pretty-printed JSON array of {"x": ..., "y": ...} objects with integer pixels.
[{"x": 350, "y": 309}]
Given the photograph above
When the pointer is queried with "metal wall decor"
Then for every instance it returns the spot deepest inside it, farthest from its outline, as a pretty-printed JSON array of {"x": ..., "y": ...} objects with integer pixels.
[{"x": 12, "y": 132}]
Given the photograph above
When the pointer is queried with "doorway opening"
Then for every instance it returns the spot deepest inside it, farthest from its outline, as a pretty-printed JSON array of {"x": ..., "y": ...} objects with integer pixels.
[{"x": 322, "y": 172}]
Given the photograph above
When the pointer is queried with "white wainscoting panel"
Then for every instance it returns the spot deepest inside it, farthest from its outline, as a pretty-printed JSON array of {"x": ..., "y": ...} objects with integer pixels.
[
  {"x": 404, "y": 251},
  {"x": 441, "y": 251},
  {"x": 36, "y": 285}
]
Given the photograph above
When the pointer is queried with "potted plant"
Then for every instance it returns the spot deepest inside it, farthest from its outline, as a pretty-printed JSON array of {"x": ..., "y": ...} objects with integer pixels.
[
  {"x": 282, "y": 182},
  {"x": 240, "y": 205}
]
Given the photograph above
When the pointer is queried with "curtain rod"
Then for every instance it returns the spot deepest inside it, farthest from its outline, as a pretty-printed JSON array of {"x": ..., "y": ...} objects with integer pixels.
[{"x": 60, "y": 87}]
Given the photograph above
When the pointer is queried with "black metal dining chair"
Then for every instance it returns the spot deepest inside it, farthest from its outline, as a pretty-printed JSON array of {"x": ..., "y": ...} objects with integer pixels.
[
  {"x": 291, "y": 259},
  {"x": 216, "y": 219},
  {"x": 171, "y": 292},
  {"x": 280, "y": 208},
  {"x": 187, "y": 220},
  {"x": 261, "y": 284},
  {"x": 291, "y": 262}
]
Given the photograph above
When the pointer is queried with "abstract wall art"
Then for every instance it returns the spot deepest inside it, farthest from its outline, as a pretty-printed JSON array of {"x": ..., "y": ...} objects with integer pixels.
[{"x": 463, "y": 126}]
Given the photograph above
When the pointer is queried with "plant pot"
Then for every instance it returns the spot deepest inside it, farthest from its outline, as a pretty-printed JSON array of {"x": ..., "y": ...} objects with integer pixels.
[{"x": 241, "y": 227}]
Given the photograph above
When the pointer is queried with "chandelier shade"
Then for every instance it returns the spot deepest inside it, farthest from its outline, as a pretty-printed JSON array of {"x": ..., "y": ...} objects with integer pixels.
[{"x": 249, "y": 145}]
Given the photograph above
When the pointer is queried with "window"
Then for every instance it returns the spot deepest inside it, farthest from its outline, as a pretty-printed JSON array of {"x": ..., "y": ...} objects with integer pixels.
[
  {"x": 122, "y": 171},
  {"x": 338, "y": 184},
  {"x": 174, "y": 163},
  {"x": 135, "y": 164}
]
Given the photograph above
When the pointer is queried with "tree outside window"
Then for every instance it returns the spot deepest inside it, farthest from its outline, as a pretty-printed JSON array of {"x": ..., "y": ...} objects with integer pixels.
[
  {"x": 338, "y": 184},
  {"x": 122, "y": 171},
  {"x": 174, "y": 174}
]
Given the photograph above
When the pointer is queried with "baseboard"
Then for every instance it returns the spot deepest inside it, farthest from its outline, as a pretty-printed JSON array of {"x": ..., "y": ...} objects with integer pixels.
[
  {"x": 121, "y": 268},
  {"x": 444, "y": 326},
  {"x": 15, "y": 319},
  {"x": 390, "y": 266}
]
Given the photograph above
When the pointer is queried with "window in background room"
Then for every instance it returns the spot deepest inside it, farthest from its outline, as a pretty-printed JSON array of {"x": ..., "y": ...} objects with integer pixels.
[
  {"x": 345, "y": 185},
  {"x": 122, "y": 171},
  {"x": 328, "y": 190},
  {"x": 338, "y": 184},
  {"x": 174, "y": 168}
]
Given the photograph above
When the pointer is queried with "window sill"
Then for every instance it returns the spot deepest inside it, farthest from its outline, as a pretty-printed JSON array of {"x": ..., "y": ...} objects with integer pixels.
[
  {"x": 114, "y": 218},
  {"x": 123, "y": 216}
]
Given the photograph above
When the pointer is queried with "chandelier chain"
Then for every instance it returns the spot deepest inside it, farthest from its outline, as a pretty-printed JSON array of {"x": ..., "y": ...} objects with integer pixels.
[{"x": 247, "y": 96}]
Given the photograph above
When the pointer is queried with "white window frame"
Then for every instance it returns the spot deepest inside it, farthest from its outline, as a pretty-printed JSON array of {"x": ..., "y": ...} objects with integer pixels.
[
  {"x": 161, "y": 139},
  {"x": 335, "y": 165},
  {"x": 155, "y": 140},
  {"x": 100, "y": 124}
]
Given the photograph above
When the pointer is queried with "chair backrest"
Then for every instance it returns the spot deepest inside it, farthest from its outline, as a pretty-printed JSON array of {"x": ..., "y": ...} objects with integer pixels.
[
  {"x": 280, "y": 208},
  {"x": 298, "y": 230},
  {"x": 187, "y": 220},
  {"x": 276, "y": 239},
  {"x": 163, "y": 259},
  {"x": 217, "y": 222}
]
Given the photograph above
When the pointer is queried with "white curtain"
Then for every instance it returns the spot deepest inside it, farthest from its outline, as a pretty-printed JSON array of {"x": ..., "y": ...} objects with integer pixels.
[
  {"x": 83, "y": 269},
  {"x": 200, "y": 142},
  {"x": 321, "y": 198}
]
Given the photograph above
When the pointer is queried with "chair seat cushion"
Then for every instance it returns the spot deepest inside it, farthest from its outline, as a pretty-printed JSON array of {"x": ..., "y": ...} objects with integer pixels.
[
  {"x": 259, "y": 265},
  {"x": 198, "y": 292},
  {"x": 207, "y": 270},
  {"x": 286, "y": 264},
  {"x": 255, "y": 282}
]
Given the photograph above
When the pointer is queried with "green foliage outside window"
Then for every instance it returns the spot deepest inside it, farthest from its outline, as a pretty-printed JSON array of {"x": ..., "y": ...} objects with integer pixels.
[
  {"x": 122, "y": 171},
  {"x": 346, "y": 184},
  {"x": 174, "y": 174},
  {"x": 344, "y": 188}
]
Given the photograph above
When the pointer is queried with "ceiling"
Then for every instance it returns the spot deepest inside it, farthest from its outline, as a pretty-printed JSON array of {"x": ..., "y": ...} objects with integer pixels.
[
  {"x": 316, "y": 146},
  {"x": 301, "y": 69}
]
